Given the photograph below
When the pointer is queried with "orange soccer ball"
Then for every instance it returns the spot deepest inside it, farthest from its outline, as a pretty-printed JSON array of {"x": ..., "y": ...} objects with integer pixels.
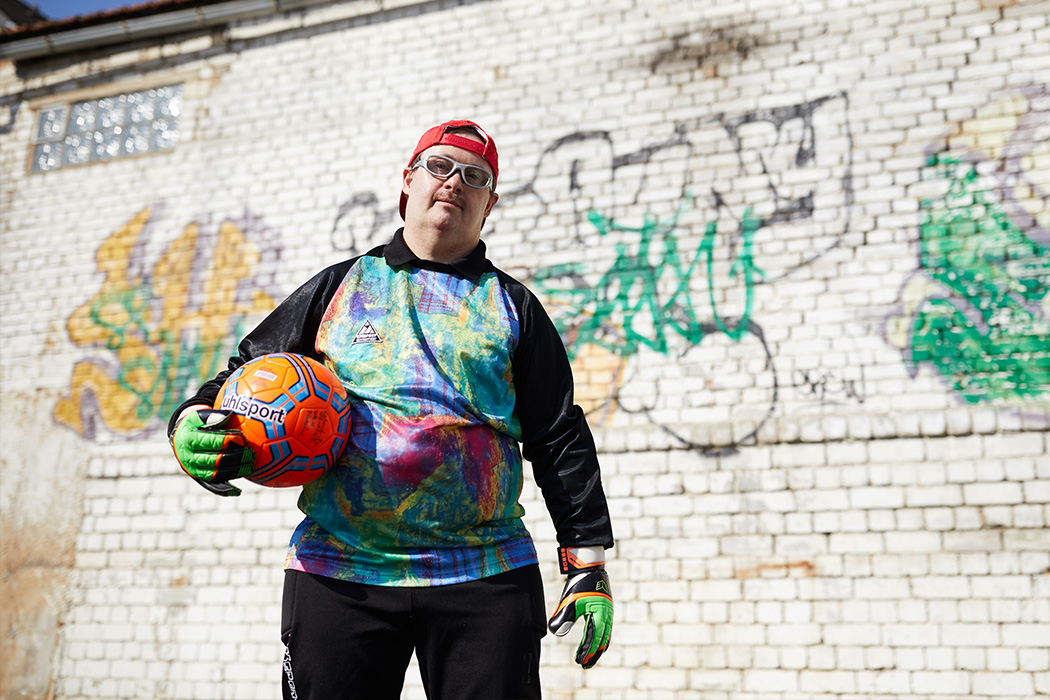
[{"x": 293, "y": 411}]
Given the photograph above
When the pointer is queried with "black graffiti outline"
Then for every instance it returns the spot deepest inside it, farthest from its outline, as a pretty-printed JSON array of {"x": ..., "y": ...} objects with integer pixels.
[
  {"x": 787, "y": 209},
  {"x": 820, "y": 384},
  {"x": 751, "y": 438}
]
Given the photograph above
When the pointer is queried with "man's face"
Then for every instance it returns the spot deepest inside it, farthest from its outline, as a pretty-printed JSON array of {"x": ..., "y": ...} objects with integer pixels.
[{"x": 444, "y": 217}]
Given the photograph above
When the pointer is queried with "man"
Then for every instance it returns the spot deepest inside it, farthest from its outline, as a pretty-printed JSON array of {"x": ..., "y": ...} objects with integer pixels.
[{"x": 413, "y": 541}]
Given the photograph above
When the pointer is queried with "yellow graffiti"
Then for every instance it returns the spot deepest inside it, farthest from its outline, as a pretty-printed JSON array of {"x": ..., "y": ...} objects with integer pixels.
[
  {"x": 599, "y": 374},
  {"x": 165, "y": 332},
  {"x": 993, "y": 135}
]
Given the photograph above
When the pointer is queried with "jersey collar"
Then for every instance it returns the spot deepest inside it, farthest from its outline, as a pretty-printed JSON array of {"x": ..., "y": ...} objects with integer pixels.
[{"x": 472, "y": 266}]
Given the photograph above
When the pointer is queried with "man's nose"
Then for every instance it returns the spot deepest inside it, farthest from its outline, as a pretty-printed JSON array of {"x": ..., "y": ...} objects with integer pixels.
[{"x": 458, "y": 177}]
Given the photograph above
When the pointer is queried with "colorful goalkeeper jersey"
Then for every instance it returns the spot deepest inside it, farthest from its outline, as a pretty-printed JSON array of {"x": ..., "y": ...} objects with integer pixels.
[{"x": 450, "y": 367}]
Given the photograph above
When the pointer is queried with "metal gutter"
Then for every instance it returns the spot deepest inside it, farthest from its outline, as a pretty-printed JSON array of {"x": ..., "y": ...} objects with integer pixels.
[{"x": 150, "y": 26}]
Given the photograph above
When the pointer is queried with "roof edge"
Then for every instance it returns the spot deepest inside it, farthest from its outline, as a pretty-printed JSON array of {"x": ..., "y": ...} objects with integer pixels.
[{"x": 143, "y": 21}]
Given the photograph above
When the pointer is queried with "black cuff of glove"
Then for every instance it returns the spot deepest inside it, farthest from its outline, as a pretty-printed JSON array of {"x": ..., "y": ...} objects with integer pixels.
[{"x": 219, "y": 488}]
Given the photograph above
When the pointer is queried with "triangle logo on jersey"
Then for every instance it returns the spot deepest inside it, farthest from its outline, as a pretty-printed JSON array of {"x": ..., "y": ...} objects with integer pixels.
[{"x": 367, "y": 334}]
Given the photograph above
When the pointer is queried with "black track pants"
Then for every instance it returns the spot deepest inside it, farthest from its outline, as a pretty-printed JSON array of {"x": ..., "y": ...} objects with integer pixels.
[{"x": 478, "y": 640}]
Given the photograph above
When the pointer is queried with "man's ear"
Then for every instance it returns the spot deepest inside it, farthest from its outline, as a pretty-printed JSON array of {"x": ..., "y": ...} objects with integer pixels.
[
  {"x": 406, "y": 180},
  {"x": 493, "y": 198}
]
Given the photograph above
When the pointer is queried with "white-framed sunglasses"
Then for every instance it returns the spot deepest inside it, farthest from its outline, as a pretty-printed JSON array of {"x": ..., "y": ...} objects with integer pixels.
[{"x": 443, "y": 167}]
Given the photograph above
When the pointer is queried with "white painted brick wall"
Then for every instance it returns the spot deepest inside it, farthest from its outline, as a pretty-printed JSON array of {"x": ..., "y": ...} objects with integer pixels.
[{"x": 800, "y": 511}]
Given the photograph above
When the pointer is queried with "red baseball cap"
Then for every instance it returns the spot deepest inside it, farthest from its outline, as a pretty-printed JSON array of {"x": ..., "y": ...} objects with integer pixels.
[{"x": 440, "y": 135}]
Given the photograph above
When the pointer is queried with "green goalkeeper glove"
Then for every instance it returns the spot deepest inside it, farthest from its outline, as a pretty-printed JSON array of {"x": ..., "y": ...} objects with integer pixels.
[
  {"x": 210, "y": 453},
  {"x": 586, "y": 595}
]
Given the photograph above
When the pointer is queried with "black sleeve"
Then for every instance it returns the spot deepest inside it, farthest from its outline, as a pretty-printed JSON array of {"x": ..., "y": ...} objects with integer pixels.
[
  {"x": 555, "y": 435},
  {"x": 291, "y": 327}
]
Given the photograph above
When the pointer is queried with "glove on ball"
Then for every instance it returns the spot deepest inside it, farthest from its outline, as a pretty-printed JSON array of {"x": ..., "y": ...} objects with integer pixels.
[{"x": 211, "y": 453}]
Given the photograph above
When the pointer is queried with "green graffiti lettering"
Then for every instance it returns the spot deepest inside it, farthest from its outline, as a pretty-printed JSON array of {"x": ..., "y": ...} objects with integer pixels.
[
  {"x": 743, "y": 265},
  {"x": 628, "y": 308},
  {"x": 985, "y": 332}
]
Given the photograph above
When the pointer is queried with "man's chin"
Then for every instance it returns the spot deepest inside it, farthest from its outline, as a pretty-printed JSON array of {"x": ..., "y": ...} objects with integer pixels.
[{"x": 445, "y": 218}]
